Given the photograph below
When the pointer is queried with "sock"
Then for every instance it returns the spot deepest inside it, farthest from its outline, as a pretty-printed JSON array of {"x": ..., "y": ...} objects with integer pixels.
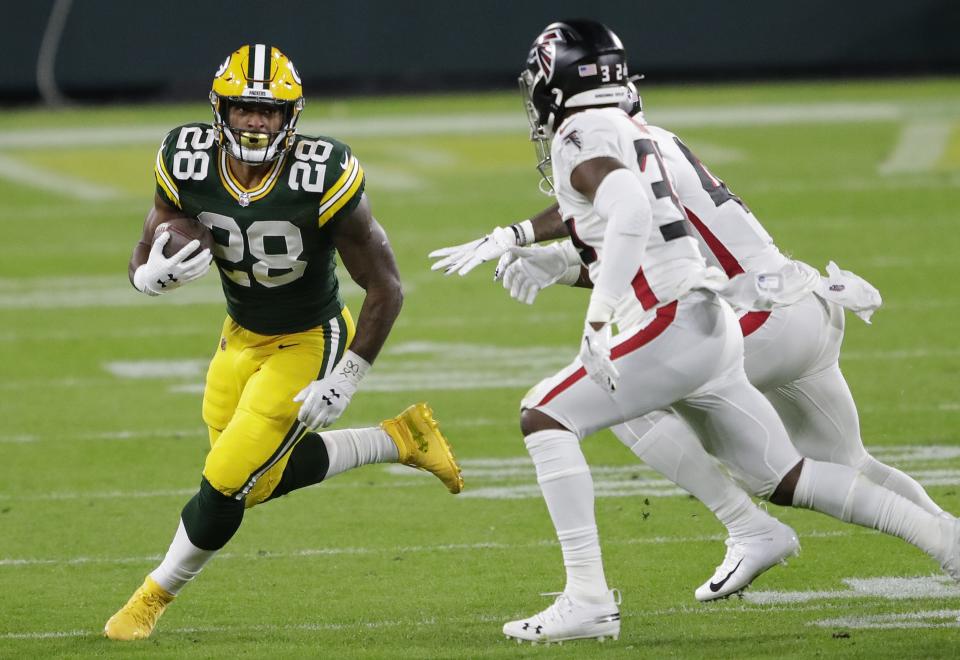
[
  {"x": 182, "y": 562},
  {"x": 900, "y": 483},
  {"x": 669, "y": 445},
  {"x": 842, "y": 492},
  {"x": 567, "y": 489},
  {"x": 350, "y": 448}
]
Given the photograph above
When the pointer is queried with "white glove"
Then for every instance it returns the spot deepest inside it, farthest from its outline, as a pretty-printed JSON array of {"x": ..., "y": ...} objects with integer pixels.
[
  {"x": 850, "y": 291},
  {"x": 595, "y": 355},
  {"x": 161, "y": 274},
  {"x": 325, "y": 400},
  {"x": 461, "y": 259},
  {"x": 527, "y": 271}
]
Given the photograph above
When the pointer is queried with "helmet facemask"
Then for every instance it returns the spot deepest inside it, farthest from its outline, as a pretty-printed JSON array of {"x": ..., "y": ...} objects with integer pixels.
[
  {"x": 254, "y": 148},
  {"x": 541, "y": 128}
]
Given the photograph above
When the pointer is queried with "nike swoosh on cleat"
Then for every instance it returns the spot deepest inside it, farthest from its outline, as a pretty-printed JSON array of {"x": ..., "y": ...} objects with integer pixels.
[{"x": 717, "y": 586}]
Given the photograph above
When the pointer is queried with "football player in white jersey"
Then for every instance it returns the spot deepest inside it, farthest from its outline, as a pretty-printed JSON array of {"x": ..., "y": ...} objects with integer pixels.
[
  {"x": 677, "y": 340},
  {"x": 793, "y": 329}
]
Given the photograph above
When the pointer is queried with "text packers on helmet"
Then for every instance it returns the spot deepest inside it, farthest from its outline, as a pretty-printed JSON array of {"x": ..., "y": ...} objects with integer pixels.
[
  {"x": 572, "y": 64},
  {"x": 256, "y": 74}
]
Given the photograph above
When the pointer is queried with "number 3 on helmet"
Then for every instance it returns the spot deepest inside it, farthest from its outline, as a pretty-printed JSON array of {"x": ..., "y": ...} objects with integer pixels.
[{"x": 256, "y": 74}]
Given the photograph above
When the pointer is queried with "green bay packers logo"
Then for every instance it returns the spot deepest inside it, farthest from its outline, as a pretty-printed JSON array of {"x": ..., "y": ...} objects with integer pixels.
[
  {"x": 293, "y": 72},
  {"x": 223, "y": 68}
]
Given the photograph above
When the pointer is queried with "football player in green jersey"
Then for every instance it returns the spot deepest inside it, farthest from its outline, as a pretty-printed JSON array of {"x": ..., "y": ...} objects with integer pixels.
[{"x": 289, "y": 358}]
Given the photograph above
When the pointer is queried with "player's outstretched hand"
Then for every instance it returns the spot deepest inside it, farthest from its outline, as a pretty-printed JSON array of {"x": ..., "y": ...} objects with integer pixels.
[
  {"x": 161, "y": 274},
  {"x": 463, "y": 258},
  {"x": 595, "y": 355},
  {"x": 527, "y": 271}
]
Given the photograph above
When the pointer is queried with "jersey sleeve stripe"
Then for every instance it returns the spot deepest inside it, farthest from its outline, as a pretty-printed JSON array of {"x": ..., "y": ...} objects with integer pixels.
[
  {"x": 341, "y": 192},
  {"x": 165, "y": 181}
]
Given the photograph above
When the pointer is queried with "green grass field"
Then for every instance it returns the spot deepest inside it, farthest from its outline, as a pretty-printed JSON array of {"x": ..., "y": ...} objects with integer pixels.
[{"x": 102, "y": 442}]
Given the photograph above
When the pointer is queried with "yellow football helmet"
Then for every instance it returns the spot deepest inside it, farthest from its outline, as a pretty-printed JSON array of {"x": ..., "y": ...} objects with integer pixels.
[{"x": 256, "y": 74}]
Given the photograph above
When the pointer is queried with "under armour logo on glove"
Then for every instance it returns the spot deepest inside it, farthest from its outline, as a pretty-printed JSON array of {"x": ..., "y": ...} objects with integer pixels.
[
  {"x": 162, "y": 274},
  {"x": 328, "y": 399},
  {"x": 170, "y": 280}
]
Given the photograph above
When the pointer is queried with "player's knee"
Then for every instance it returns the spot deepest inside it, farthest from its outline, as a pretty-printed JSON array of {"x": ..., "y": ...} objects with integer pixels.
[
  {"x": 532, "y": 420},
  {"x": 211, "y": 518},
  {"x": 783, "y": 494}
]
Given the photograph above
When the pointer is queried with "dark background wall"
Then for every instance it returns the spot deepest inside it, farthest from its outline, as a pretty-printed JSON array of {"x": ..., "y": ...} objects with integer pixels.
[{"x": 171, "y": 49}]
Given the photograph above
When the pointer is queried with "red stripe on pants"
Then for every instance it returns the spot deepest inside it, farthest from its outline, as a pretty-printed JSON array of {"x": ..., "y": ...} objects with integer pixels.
[
  {"x": 663, "y": 319},
  {"x": 751, "y": 321}
]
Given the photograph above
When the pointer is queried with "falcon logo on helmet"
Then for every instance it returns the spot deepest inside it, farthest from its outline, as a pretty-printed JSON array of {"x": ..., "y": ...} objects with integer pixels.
[
  {"x": 256, "y": 74},
  {"x": 571, "y": 64},
  {"x": 546, "y": 51}
]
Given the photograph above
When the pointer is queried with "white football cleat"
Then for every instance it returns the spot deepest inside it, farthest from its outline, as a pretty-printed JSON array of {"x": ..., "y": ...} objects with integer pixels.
[
  {"x": 950, "y": 528},
  {"x": 569, "y": 619},
  {"x": 746, "y": 558}
]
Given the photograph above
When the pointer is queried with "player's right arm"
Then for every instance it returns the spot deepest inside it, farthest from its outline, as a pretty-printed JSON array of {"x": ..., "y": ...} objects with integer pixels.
[
  {"x": 148, "y": 270},
  {"x": 463, "y": 258},
  {"x": 152, "y": 273},
  {"x": 160, "y": 213}
]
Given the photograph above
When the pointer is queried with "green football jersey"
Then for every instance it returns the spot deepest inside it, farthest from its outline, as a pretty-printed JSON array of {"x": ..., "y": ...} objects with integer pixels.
[{"x": 273, "y": 246}]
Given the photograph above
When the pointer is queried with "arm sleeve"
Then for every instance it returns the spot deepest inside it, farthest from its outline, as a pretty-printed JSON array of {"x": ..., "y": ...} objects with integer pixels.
[{"x": 622, "y": 202}]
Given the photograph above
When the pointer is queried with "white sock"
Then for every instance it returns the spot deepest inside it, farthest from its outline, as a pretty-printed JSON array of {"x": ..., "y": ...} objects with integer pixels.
[
  {"x": 842, "y": 492},
  {"x": 182, "y": 563},
  {"x": 567, "y": 488},
  {"x": 350, "y": 448},
  {"x": 900, "y": 483},
  {"x": 672, "y": 448}
]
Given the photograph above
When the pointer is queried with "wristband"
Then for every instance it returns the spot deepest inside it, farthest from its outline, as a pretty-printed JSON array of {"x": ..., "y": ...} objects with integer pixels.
[
  {"x": 572, "y": 274},
  {"x": 352, "y": 368},
  {"x": 523, "y": 231},
  {"x": 601, "y": 308}
]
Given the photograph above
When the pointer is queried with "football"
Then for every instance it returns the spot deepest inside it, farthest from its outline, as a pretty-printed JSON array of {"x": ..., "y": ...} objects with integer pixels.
[{"x": 184, "y": 229}]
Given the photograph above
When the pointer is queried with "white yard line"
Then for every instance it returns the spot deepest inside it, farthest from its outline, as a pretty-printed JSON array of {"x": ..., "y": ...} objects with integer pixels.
[
  {"x": 18, "y": 171},
  {"x": 888, "y": 588},
  {"x": 698, "y": 610},
  {"x": 420, "y": 550},
  {"x": 895, "y": 621},
  {"x": 755, "y": 114},
  {"x": 920, "y": 147}
]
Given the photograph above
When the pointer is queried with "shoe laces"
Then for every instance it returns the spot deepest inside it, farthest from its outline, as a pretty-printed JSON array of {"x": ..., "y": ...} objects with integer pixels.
[
  {"x": 561, "y": 606},
  {"x": 146, "y": 616},
  {"x": 733, "y": 556}
]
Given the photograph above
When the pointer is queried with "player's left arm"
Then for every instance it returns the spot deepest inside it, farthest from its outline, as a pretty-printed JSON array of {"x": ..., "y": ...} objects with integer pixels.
[
  {"x": 366, "y": 254},
  {"x": 618, "y": 197}
]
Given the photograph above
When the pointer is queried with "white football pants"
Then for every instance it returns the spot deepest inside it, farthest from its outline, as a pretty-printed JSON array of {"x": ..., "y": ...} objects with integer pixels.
[
  {"x": 691, "y": 356},
  {"x": 792, "y": 355}
]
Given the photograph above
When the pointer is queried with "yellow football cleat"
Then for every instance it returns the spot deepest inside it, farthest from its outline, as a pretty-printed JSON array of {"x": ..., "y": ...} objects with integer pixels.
[
  {"x": 136, "y": 619},
  {"x": 422, "y": 445}
]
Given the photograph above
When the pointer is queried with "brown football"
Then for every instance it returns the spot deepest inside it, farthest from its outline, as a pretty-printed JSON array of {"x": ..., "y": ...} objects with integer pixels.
[{"x": 184, "y": 229}]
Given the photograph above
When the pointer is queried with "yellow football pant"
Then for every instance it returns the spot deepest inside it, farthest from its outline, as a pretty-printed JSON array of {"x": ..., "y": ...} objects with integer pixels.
[{"x": 248, "y": 403}]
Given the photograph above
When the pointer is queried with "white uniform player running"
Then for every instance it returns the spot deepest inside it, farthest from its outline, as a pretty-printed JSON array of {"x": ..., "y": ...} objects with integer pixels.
[
  {"x": 791, "y": 350},
  {"x": 679, "y": 344}
]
